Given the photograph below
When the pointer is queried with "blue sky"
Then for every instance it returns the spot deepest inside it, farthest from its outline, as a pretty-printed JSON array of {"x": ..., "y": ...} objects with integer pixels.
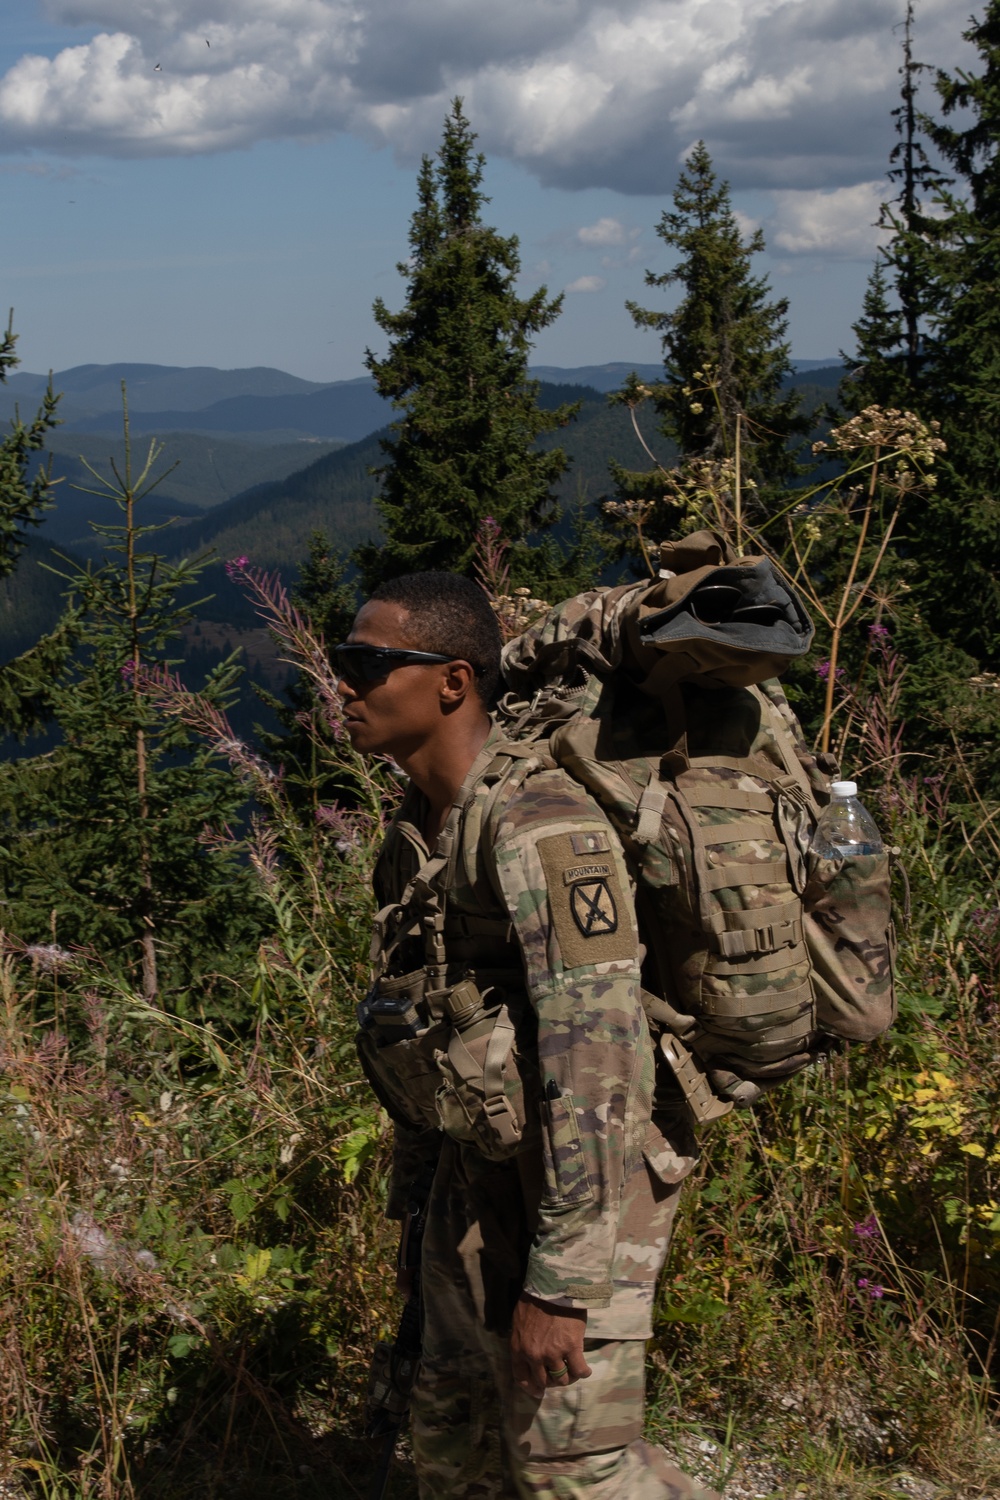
[{"x": 244, "y": 202}]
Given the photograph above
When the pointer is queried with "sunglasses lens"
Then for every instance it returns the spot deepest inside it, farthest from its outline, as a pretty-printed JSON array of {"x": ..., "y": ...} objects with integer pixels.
[
  {"x": 759, "y": 614},
  {"x": 714, "y": 603},
  {"x": 357, "y": 664},
  {"x": 363, "y": 664}
]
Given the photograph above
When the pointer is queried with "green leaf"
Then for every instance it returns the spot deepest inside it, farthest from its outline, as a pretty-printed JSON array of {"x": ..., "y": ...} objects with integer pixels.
[
  {"x": 257, "y": 1265},
  {"x": 181, "y": 1344},
  {"x": 241, "y": 1200},
  {"x": 701, "y": 1308}
]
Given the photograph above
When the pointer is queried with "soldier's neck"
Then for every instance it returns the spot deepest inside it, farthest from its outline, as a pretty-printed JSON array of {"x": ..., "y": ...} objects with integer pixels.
[{"x": 438, "y": 767}]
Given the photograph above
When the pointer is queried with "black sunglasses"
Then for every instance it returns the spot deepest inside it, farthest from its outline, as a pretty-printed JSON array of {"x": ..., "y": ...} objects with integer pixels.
[
  {"x": 359, "y": 663},
  {"x": 720, "y": 603}
]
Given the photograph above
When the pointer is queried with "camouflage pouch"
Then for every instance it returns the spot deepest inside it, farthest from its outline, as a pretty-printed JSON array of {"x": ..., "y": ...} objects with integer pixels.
[
  {"x": 397, "y": 1046},
  {"x": 851, "y": 942},
  {"x": 480, "y": 1097}
]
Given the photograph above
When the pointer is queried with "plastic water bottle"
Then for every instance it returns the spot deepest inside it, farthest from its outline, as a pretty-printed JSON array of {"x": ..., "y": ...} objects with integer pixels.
[{"x": 846, "y": 828}]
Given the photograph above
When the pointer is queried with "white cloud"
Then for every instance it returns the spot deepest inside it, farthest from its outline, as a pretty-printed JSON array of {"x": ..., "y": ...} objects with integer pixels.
[
  {"x": 745, "y": 224},
  {"x": 587, "y": 284},
  {"x": 605, "y": 232},
  {"x": 789, "y": 94},
  {"x": 838, "y": 223}
]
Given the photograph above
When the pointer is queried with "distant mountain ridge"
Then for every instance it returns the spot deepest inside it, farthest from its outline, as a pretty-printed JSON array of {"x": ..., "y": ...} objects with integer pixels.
[
  {"x": 97, "y": 388},
  {"x": 340, "y": 413},
  {"x": 261, "y": 403}
]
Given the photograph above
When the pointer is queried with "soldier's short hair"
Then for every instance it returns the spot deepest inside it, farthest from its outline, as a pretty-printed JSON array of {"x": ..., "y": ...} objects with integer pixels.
[{"x": 450, "y": 614}]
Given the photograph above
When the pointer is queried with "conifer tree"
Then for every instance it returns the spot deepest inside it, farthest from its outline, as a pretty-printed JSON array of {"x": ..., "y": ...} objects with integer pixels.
[
  {"x": 876, "y": 375},
  {"x": 958, "y": 540},
  {"x": 105, "y": 840},
  {"x": 893, "y": 334},
  {"x": 462, "y": 447},
  {"x": 24, "y": 682},
  {"x": 725, "y": 353}
]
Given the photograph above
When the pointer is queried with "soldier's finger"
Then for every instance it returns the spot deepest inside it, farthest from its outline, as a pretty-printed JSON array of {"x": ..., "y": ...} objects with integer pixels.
[
  {"x": 524, "y": 1373},
  {"x": 577, "y": 1367}
]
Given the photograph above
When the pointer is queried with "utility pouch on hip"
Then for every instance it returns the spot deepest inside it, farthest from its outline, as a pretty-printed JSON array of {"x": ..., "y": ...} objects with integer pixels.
[
  {"x": 397, "y": 1045},
  {"x": 480, "y": 1099}
]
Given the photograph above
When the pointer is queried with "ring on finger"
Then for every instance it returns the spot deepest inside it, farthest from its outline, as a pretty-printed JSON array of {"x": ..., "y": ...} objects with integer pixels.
[{"x": 557, "y": 1374}]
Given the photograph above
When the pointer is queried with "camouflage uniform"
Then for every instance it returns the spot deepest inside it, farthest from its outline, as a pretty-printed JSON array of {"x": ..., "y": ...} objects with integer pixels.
[{"x": 579, "y": 1212}]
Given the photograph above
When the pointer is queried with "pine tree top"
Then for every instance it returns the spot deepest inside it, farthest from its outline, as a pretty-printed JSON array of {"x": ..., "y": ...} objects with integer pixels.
[
  {"x": 456, "y": 370},
  {"x": 725, "y": 348}
]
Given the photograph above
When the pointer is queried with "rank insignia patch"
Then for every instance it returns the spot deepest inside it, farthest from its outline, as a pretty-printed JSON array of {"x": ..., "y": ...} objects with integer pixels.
[{"x": 593, "y": 907}]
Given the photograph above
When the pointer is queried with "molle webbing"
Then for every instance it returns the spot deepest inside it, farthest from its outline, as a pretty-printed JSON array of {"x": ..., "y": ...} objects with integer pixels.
[
  {"x": 738, "y": 1007},
  {"x": 762, "y": 935},
  {"x": 723, "y": 877},
  {"x": 742, "y": 920},
  {"x": 730, "y": 796},
  {"x": 421, "y": 905}
]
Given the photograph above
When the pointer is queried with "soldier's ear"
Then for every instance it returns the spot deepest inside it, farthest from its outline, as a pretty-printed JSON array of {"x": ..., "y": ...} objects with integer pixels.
[{"x": 458, "y": 680}]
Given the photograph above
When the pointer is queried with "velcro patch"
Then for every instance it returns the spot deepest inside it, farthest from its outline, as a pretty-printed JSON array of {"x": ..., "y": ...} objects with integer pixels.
[
  {"x": 588, "y": 910},
  {"x": 594, "y": 842}
]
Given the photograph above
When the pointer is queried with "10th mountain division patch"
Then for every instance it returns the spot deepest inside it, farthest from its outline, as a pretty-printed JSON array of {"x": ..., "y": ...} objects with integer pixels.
[{"x": 593, "y": 907}]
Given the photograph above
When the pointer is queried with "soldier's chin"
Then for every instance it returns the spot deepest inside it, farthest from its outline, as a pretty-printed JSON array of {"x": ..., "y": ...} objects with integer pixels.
[{"x": 361, "y": 735}]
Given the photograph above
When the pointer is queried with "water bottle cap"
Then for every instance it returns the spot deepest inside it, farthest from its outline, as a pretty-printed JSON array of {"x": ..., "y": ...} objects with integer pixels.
[{"x": 844, "y": 789}]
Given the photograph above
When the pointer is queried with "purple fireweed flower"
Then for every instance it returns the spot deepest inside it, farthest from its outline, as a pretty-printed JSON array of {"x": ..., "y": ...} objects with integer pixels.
[
  {"x": 877, "y": 632},
  {"x": 823, "y": 671},
  {"x": 867, "y": 1229},
  {"x": 235, "y": 566},
  {"x": 871, "y": 1287}
]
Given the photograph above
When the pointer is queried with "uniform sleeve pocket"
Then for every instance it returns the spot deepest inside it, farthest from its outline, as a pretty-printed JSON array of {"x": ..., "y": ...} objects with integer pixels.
[{"x": 567, "y": 1181}]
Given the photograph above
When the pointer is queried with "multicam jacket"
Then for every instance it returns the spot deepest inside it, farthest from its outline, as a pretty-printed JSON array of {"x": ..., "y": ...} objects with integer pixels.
[{"x": 536, "y": 863}]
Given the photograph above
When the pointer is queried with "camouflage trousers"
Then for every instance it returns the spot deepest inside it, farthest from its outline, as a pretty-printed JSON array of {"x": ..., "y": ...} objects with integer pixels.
[{"x": 476, "y": 1434}]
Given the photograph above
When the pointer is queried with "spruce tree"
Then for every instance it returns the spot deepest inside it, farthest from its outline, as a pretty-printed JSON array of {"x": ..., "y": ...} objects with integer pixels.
[
  {"x": 462, "y": 447},
  {"x": 877, "y": 375},
  {"x": 893, "y": 334},
  {"x": 112, "y": 838},
  {"x": 24, "y": 700},
  {"x": 725, "y": 353},
  {"x": 958, "y": 540}
]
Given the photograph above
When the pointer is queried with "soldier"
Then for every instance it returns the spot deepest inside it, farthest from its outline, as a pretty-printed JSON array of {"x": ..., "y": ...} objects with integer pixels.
[{"x": 506, "y": 1037}]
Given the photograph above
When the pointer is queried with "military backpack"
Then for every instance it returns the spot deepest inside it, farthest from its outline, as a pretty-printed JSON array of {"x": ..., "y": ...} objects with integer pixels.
[{"x": 661, "y": 698}]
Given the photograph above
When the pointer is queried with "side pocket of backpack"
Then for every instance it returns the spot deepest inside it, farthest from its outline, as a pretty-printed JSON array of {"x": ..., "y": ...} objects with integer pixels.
[{"x": 849, "y": 933}]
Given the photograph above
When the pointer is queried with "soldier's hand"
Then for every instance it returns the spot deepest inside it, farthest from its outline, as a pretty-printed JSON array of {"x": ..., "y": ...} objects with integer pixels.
[{"x": 546, "y": 1345}]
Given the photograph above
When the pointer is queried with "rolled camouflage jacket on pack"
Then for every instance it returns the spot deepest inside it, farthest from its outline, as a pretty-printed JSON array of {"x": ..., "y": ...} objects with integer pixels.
[{"x": 547, "y": 860}]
